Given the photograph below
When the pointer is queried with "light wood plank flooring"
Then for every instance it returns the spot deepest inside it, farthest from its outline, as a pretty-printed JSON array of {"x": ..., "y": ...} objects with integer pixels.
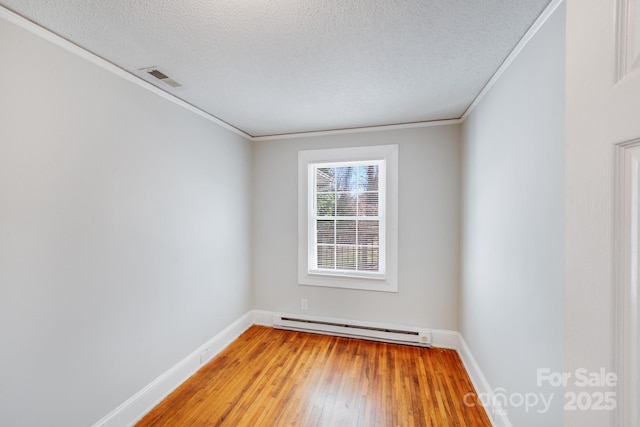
[{"x": 270, "y": 377}]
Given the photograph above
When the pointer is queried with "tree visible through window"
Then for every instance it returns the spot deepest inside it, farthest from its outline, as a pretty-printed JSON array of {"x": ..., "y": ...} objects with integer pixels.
[{"x": 348, "y": 217}]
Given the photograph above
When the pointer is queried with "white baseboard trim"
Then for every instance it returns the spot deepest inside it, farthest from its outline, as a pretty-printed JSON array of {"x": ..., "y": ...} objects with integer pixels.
[
  {"x": 496, "y": 414},
  {"x": 441, "y": 339},
  {"x": 262, "y": 317},
  {"x": 445, "y": 339},
  {"x": 131, "y": 411}
]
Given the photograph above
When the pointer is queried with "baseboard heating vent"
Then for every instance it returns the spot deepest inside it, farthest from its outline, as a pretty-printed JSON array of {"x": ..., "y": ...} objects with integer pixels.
[{"x": 354, "y": 329}]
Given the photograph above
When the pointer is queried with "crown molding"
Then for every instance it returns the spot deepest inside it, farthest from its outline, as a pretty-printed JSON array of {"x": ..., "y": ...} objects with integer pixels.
[
  {"x": 517, "y": 50},
  {"x": 379, "y": 128},
  {"x": 60, "y": 41},
  {"x": 109, "y": 66}
]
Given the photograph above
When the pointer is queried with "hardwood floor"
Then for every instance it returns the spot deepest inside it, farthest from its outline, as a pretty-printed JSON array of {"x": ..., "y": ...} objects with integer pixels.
[{"x": 270, "y": 377}]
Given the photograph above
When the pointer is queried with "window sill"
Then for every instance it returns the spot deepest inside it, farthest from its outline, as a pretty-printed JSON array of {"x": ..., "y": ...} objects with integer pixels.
[
  {"x": 370, "y": 283},
  {"x": 347, "y": 274}
]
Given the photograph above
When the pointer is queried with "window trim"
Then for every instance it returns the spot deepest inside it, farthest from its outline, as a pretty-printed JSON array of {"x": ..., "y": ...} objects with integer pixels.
[{"x": 387, "y": 282}]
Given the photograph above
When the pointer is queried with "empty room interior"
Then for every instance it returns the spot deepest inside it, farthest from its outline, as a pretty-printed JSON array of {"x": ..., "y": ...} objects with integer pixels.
[{"x": 431, "y": 188}]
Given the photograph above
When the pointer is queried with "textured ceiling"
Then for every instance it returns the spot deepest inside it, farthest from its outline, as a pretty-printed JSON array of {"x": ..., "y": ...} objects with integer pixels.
[{"x": 282, "y": 66}]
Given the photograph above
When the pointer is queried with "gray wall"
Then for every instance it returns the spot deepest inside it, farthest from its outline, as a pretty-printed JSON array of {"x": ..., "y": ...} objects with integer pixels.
[
  {"x": 429, "y": 206},
  {"x": 124, "y": 234},
  {"x": 513, "y": 224},
  {"x": 131, "y": 230}
]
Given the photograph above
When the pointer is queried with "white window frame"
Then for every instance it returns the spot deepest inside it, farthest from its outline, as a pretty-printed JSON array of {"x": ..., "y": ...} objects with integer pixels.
[{"x": 387, "y": 279}]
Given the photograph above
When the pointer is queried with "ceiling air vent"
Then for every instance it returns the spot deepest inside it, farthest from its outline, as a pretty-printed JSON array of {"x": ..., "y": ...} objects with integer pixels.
[{"x": 157, "y": 74}]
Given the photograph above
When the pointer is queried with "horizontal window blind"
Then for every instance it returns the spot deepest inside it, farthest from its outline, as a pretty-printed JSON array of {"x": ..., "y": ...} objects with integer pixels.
[{"x": 347, "y": 217}]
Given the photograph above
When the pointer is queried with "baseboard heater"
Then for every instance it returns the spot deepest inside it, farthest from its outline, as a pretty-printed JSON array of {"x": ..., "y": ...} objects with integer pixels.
[{"x": 353, "y": 329}]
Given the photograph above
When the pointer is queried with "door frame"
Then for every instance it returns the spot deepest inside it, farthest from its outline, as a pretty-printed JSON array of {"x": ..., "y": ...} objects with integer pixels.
[{"x": 627, "y": 275}]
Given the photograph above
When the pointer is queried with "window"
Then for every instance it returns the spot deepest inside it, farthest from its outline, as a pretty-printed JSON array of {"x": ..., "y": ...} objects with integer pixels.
[
  {"x": 347, "y": 218},
  {"x": 347, "y": 213}
]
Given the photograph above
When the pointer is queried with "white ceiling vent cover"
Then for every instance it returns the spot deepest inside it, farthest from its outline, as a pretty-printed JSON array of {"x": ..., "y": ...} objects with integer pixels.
[{"x": 159, "y": 75}]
